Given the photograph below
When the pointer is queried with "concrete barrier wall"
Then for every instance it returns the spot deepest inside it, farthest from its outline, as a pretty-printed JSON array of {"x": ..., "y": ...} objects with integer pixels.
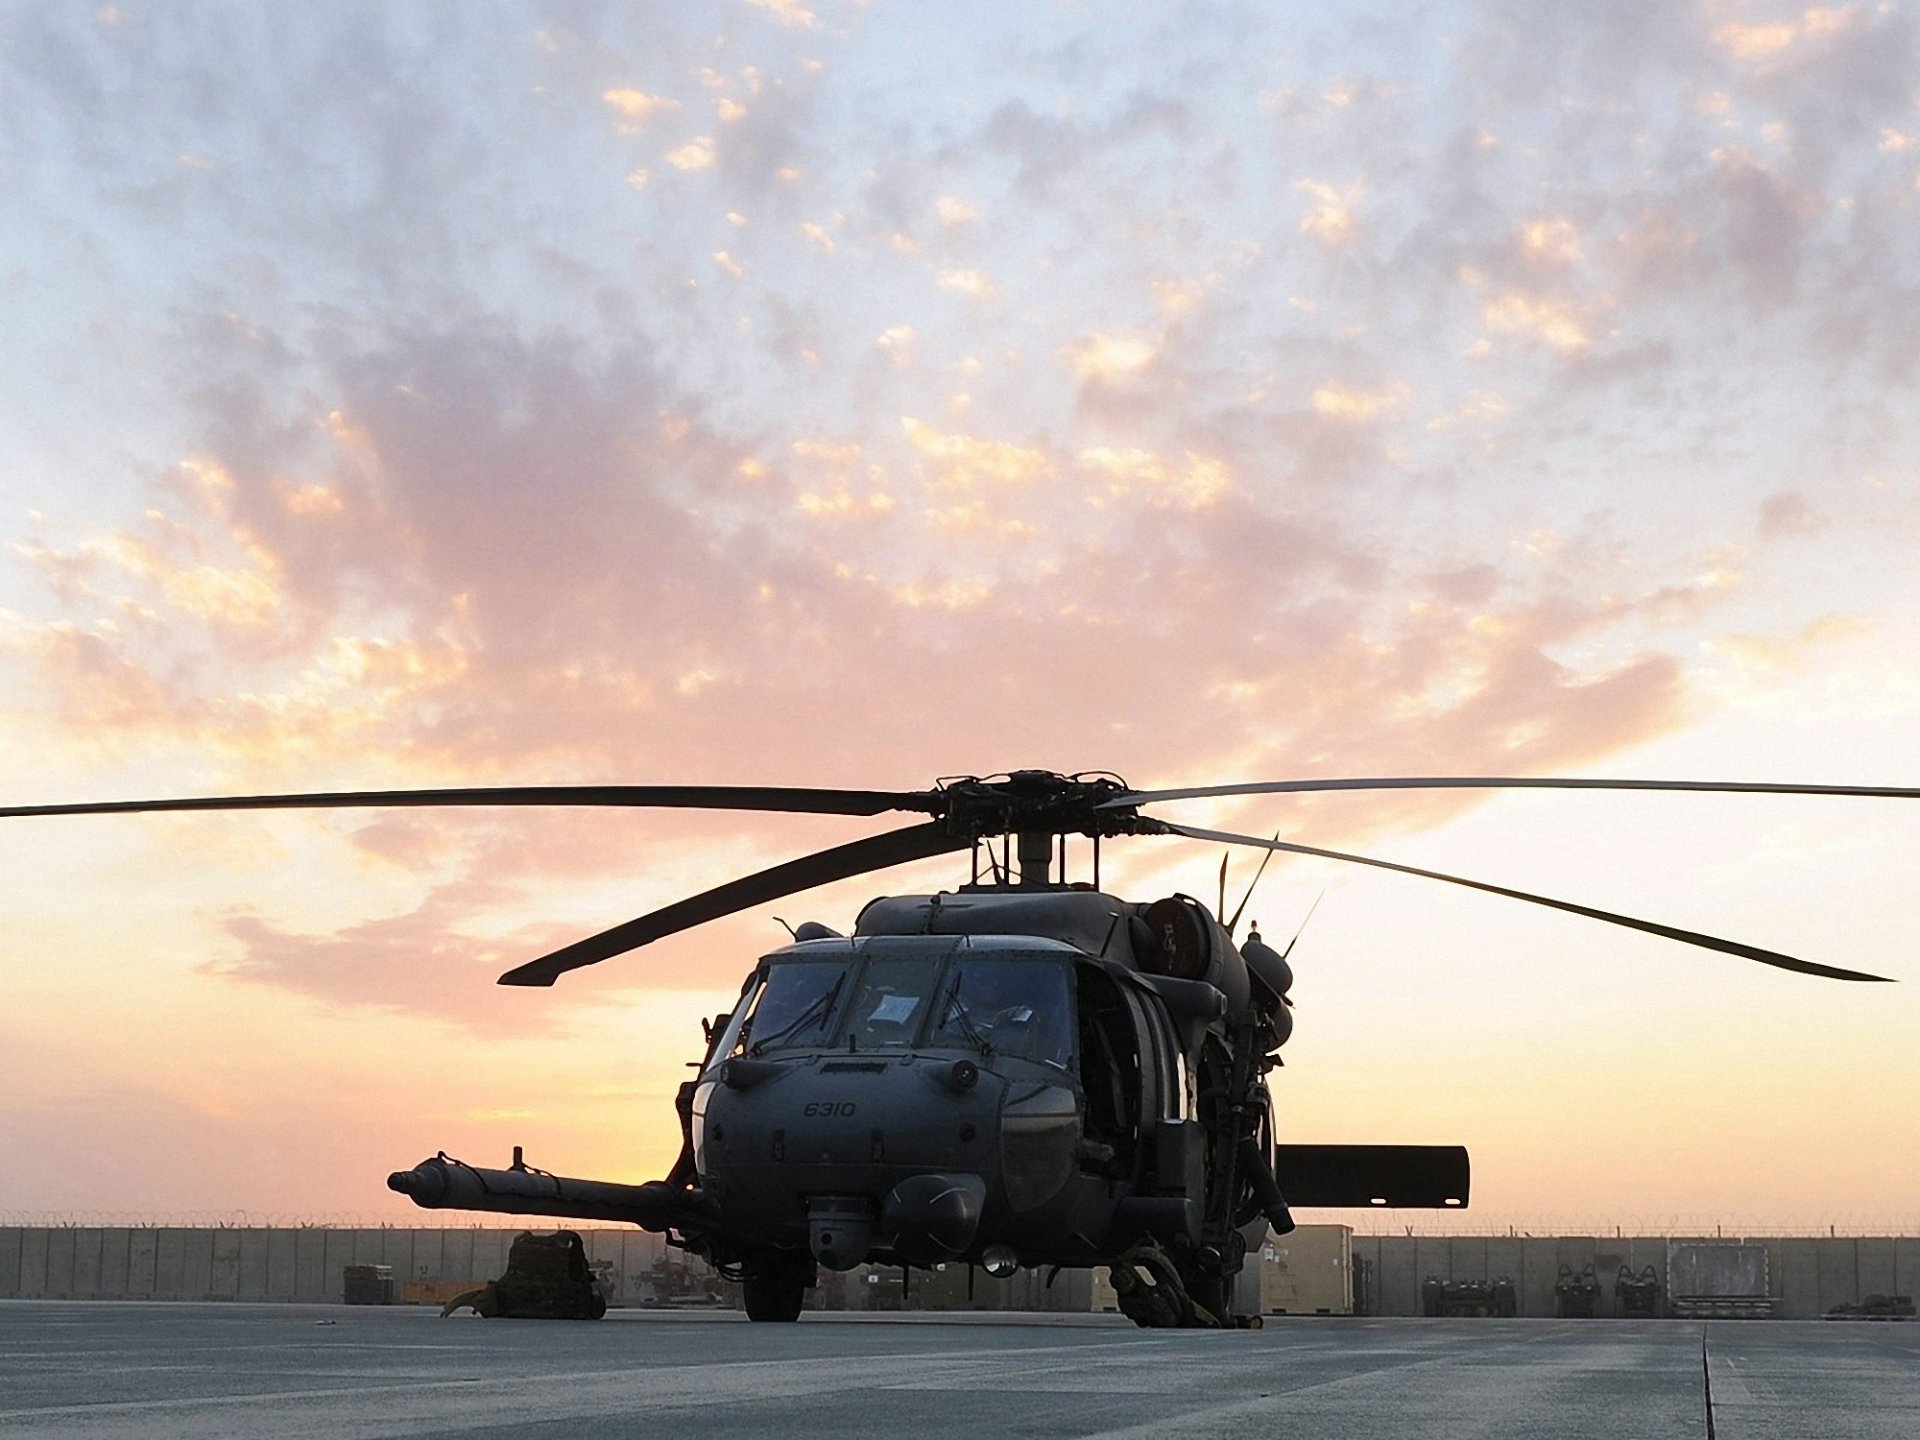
[
  {"x": 1807, "y": 1276},
  {"x": 289, "y": 1265}
]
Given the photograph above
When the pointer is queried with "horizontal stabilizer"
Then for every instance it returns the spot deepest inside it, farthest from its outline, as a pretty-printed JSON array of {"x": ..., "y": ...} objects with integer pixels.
[{"x": 1408, "y": 1177}]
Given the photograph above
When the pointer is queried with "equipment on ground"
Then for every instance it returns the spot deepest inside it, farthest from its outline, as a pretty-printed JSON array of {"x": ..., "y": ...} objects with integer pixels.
[
  {"x": 1024, "y": 1070},
  {"x": 1574, "y": 1293},
  {"x": 366, "y": 1285},
  {"x": 548, "y": 1278},
  {"x": 1442, "y": 1299},
  {"x": 1875, "y": 1307},
  {"x": 1637, "y": 1297}
]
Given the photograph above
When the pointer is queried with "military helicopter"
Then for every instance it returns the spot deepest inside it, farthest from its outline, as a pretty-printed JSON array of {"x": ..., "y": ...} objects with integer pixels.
[{"x": 1022, "y": 1071}]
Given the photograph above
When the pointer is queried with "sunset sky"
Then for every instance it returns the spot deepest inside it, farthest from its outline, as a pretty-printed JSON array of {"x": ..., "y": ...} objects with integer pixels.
[{"x": 835, "y": 393}]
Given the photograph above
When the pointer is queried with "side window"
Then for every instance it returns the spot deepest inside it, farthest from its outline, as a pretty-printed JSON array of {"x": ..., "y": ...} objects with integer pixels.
[
  {"x": 1162, "y": 1059},
  {"x": 728, "y": 1042},
  {"x": 1110, "y": 1071}
]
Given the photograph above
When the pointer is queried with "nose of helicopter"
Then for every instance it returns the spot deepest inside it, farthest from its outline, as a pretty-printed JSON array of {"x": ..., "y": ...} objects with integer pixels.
[
  {"x": 868, "y": 1114},
  {"x": 857, "y": 1152}
]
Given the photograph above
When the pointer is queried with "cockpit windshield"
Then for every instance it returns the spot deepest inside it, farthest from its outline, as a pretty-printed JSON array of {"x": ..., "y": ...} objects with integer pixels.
[
  {"x": 1014, "y": 1007},
  {"x": 889, "y": 1004},
  {"x": 797, "y": 1005},
  {"x": 995, "y": 1005}
]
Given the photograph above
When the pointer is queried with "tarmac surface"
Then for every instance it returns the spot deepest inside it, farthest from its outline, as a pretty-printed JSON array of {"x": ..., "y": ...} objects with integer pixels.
[{"x": 113, "y": 1371}]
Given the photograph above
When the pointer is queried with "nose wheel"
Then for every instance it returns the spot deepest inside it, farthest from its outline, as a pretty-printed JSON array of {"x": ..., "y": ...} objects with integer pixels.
[{"x": 775, "y": 1287}]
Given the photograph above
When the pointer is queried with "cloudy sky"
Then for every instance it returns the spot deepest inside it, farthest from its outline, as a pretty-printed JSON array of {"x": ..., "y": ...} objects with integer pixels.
[{"x": 859, "y": 393}]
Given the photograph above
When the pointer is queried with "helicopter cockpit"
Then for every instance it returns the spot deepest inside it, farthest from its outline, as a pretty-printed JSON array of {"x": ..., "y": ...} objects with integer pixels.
[{"x": 997, "y": 1004}]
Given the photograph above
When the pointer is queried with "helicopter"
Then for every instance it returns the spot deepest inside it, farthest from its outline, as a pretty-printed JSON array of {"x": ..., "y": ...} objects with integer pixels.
[{"x": 1023, "y": 1071}]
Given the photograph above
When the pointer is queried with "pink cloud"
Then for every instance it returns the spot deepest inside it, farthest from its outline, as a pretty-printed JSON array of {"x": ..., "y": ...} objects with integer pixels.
[
  {"x": 1788, "y": 513},
  {"x": 546, "y": 565}
]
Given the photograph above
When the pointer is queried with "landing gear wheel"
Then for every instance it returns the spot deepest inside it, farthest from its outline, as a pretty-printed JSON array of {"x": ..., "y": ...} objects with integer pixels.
[
  {"x": 775, "y": 1293},
  {"x": 1153, "y": 1292},
  {"x": 1212, "y": 1293}
]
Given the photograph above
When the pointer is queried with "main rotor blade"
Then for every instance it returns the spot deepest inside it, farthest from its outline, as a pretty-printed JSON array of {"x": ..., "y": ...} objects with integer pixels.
[
  {"x": 665, "y": 797},
  {"x": 1524, "y": 782},
  {"x": 876, "y": 852},
  {"x": 1685, "y": 937}
]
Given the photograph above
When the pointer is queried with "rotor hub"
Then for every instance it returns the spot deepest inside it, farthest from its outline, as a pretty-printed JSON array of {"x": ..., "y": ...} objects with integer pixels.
[{"x": 1037, "y": 802}]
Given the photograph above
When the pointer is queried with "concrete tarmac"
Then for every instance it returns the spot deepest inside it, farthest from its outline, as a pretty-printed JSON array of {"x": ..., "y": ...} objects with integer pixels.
[{"x": 115, "y": 1371}]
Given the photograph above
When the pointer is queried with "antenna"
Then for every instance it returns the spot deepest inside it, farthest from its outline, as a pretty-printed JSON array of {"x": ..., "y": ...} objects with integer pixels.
[
  {"x": 1303, "y": 925},
  {"x": 1221, "y": 908},
  {"x": 1240, "y": 909}
]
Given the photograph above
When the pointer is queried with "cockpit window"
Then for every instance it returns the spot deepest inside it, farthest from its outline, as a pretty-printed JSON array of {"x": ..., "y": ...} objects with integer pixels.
[
  {"x": 1014, "y": 1007},
  {"x": 796, "y": 1007},
  {"x": 892, "y": 998}
]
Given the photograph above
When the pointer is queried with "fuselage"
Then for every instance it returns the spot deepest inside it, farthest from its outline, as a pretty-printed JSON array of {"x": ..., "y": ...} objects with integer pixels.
[{"x": 921, "y": 1097}]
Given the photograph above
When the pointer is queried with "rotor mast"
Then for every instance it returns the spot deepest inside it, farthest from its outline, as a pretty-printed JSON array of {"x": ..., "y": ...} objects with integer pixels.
[{"x": 1035, "y": 850}]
